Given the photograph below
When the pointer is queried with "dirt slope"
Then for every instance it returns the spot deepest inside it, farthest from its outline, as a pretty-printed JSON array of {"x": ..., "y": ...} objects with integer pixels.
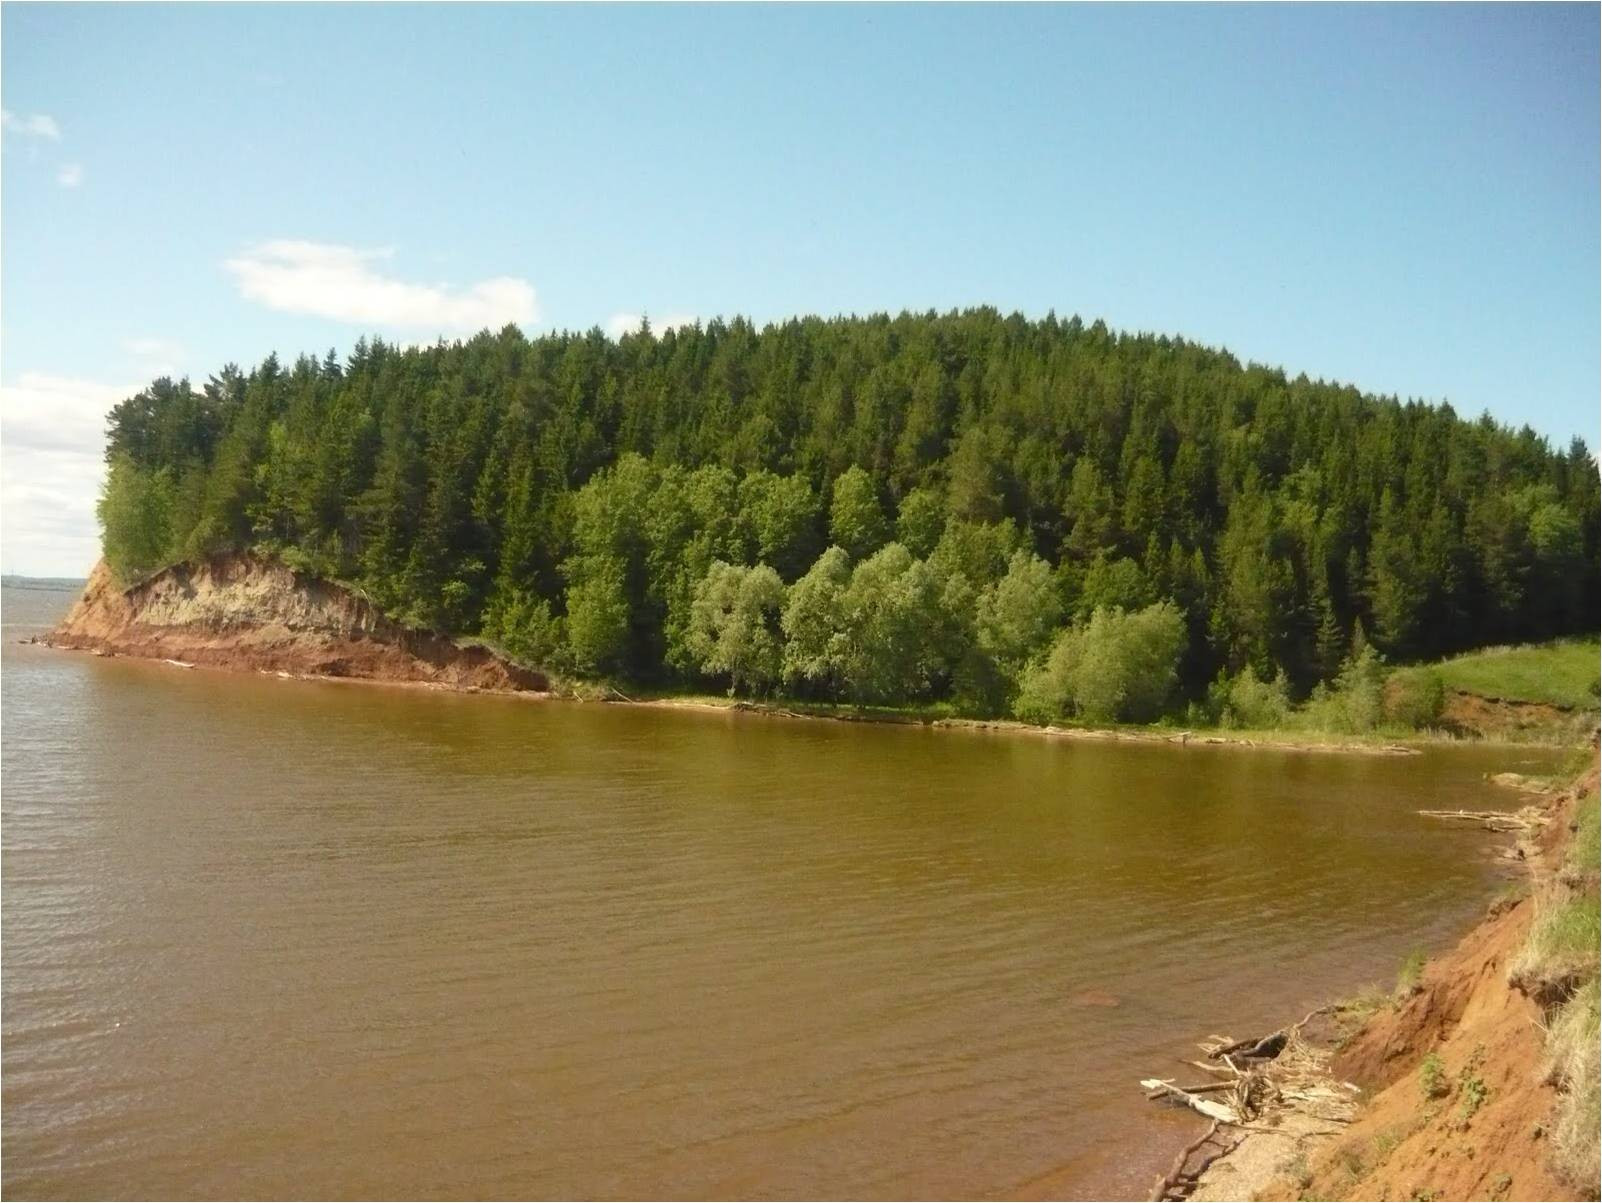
[
  {"x": 245, "y": 612},
  {"x": 1475, "y": 1124}
]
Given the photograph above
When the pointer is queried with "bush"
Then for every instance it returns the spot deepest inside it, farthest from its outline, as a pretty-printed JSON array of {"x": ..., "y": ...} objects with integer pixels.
[
  {"x": 1432, "y": 1083},
  {"x": 1246, "y": 702},
  {"x": 1117, "y": 667},
  {"x": 521, "y": 623},
  {"x": 1416, "y": 699},
  {"x": 1356, "y": 703}
]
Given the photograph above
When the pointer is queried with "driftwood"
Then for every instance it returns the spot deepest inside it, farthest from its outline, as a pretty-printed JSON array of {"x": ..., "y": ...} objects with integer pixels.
[
  {"x": 1173, "y": 1177},
  {"x": 1264, "y": 1047},
  {"x": 1201, "y": 1088},
  {"x": 1212, "y": 1110},
  {"x": 1267, "y": 1077},
  {"x": 1491, "y": 820}
]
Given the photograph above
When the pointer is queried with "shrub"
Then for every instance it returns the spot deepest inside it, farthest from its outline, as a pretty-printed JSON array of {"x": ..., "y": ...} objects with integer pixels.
[
  {"x": 1416, "y": 699},
  {"x": 1432, "y": 1083},
  {"x": 1355, "y": 704},
  {"x": 1253, "y": 704},
  {"x": 522, "y": 624},
  {"x": 1410, "y": 973},
  {"x": 1116, "y": 667}
]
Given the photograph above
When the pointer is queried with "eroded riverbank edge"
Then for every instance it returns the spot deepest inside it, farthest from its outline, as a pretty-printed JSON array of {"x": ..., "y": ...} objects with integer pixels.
[
  {"x": 245, "y": 612},
  {"x": 1486, "y": 1037}
]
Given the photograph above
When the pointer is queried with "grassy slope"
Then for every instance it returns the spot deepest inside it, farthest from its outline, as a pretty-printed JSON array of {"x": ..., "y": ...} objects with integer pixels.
[{"x": 1561, "y": 673}]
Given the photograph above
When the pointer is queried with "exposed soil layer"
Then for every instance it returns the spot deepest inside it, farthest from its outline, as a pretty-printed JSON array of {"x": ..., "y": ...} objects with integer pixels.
[
  {"x": 1479, "y": 717},
  {"x": 1476, "y": 1122},
  {"x": 245, "y": 612}
]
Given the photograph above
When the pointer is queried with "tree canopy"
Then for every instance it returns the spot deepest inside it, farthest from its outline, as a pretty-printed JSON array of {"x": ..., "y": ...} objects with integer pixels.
[{"x": 874, "y": 509}]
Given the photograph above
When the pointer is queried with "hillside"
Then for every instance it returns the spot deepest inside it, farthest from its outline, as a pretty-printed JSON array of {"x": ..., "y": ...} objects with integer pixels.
[{"x": 930, "y": 508}]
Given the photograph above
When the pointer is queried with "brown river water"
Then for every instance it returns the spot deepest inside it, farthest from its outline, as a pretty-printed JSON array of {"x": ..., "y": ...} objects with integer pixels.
[{"x": 274, "y": 938}]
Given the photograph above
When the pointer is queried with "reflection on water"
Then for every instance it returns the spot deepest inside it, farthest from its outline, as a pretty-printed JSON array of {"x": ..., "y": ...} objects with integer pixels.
[{"x": 268, "y": 938}]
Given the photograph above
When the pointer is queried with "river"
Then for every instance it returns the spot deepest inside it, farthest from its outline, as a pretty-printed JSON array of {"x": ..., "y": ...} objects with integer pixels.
[{"x": 269, "y": 938}]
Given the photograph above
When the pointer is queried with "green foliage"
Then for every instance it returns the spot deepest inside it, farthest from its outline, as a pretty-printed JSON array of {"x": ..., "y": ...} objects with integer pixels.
[
  {"x": 856, "y": 519},
  {"x": 1018, "y": 615},
  {"x": 1113, "y": 584},
  {"x": 734, "y": 625},
  {"x": 891, "y": 617},
  {"x": 598, "y": 615},
  {"x": 1562, "y": 944},
  {"x": 465, "y": 483},
  {"x": 1432, "y": 1081},
  {"x": 1243, "y": 701},
  {"x": 1356, "y": 703},
  {"x": 920, "y": 521},
  {"x": 136, "y": 512},
  {"x": 522, "y": 624},
  {"x": 1117, "y": 666},
  {"x": 1415, "y": 698},
  {"x": 814, "y": 654},
  {"x": 1411, "y": 972},
  {"x": 1563, "y": 672},
  {"x": 781, "y": 513}
]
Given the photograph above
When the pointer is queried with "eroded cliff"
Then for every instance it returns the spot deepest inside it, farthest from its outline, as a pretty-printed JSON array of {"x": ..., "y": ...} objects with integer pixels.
[{"x": 246, "y": 612}]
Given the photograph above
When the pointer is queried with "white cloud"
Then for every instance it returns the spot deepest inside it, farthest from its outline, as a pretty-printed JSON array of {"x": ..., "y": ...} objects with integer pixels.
[
  {"x": 620, "y": 324},
  {"x": 153, "y": 357},
  {"x": 70, "y": 175},
  {"x": 52, "y": 439},
  {"x": 343, "y": 283},
  {"x": 39, "y": 125}
]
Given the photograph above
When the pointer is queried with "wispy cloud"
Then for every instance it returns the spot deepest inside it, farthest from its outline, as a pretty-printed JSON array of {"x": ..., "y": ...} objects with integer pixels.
[
  {"x": 52, "y": 435},
  {"x": 70, "y": 175},
  {"x": 346, "y": 284},
  {"x": 38, "y": 125},
  {"x": 154, "y": 357},
  {"x": 620, "y": 324}
]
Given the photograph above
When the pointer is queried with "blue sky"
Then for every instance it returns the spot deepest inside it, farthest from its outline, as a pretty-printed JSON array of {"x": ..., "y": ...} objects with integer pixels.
[{"x": 1405, "y": 198}]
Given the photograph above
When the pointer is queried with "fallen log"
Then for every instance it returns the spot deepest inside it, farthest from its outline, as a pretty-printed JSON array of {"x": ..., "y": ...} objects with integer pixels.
[
  {"x": 1212, "y": 1110},
  {"x": 1493, "y": 820},
  {"x": 1264, "y": 1047},
  {"x": 1203, "y": 1088},
  {"x": 1171, "y": 1179}
]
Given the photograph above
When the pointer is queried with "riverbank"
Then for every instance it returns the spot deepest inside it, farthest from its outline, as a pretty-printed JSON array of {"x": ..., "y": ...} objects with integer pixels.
[
  {"x": 243, "y": 612},
  {"x": 1461, "y": 1092}
]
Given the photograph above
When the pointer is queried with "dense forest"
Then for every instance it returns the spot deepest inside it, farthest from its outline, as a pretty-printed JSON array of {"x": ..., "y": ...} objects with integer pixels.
[{"x": 1039, "y": 517}]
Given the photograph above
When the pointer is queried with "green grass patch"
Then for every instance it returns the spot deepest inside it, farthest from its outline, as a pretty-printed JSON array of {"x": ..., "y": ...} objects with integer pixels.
[
  {"x": 1411, "y": 972},
  {"x": 1561, "y": 673},
  {"x": 1432, "y": 1083},
  {"x": 1572, "y": 1046},
  {"x": 1584, "y": 854}
]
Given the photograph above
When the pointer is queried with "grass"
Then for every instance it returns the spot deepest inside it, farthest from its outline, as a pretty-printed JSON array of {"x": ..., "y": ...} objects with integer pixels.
[
  {"x": 1411, "y": 972},
  {"x": 1584, "y": 855},
  {"x": 1561, "y": 673},
  {"x": 1572, "y": 1049},
  {"x": 1432, "y": 1083},
  {"x": 1562, "y": 948}
]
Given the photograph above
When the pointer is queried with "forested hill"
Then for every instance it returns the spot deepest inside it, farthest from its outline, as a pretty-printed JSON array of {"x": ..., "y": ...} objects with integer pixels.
[{"x": 942, "y": 500}]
